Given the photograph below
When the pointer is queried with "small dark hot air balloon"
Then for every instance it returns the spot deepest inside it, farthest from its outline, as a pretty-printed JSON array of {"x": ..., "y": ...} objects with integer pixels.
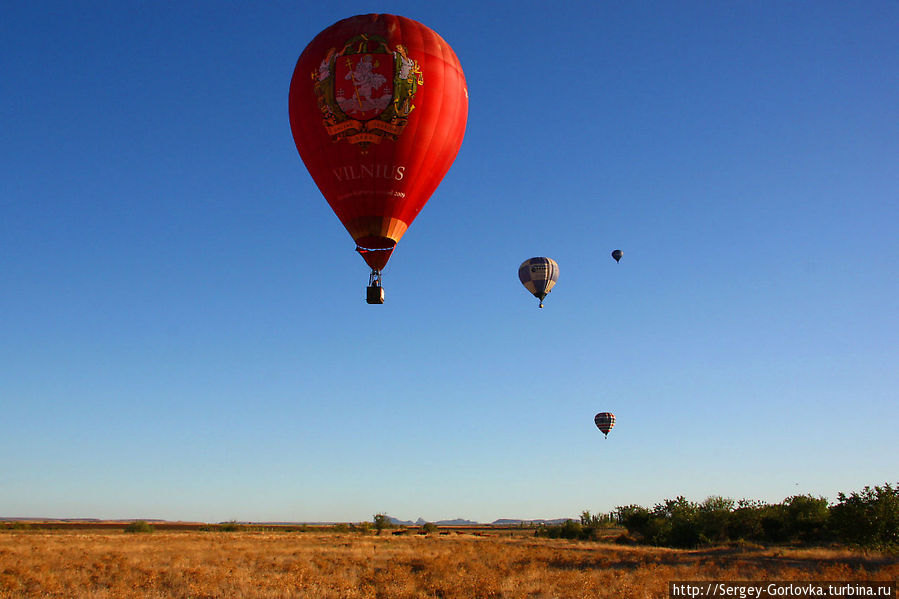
[
  {"x": 378, "y": 106},
  {"x": 605, "y": 421},
  {"x": 539, "y": 275},
  {"x": 617, "y": 254}
]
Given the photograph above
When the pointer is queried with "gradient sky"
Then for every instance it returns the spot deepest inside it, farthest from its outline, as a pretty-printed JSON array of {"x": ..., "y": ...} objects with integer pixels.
[{"x": 183, "y": 332}]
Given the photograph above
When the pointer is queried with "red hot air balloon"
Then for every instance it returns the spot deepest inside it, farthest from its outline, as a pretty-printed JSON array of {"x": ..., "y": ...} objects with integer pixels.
[{"x": 378, "y": 106}]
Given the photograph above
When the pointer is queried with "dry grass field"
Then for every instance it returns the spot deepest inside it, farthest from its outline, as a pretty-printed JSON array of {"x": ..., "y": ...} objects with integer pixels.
[{"x": 105, "y": 564}]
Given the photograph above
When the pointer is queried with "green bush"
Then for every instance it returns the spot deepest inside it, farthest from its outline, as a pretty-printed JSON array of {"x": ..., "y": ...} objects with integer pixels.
[
  {"x": 567, "y": 530},
  {"x": 139, "y": 526},
  {"x": 362, "y": 528},
  {"x": 589, "y": 528},
  {"x": 745, "y": 521},
  {"x": 806, "y": 518},
  {"x": 681, "y": 517},
  {"x": 635, "y": 518},
  {"x": 774, "y": 523},
  {"x": 712, "y": 519},
  {"x": 868, "y": 519}
]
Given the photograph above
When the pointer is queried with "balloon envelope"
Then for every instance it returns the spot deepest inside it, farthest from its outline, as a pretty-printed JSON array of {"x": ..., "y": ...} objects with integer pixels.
[
  {"x": 617, "y": 254},
  {"x": 605, "y": 421},
  {"x": 539, "y": 275},
  {"x": 378, "y": 106}
]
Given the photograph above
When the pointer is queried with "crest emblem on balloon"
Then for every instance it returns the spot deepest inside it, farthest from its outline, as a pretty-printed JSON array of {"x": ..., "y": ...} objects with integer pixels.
[{"x": 366, "y": 90}]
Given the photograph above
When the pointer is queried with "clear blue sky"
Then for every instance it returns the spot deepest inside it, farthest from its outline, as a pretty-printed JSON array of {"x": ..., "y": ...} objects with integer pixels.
[{"x": 183, "y": 333}]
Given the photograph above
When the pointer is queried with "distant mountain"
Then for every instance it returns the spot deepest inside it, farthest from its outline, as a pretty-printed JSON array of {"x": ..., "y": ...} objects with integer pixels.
[
  {"x": 421, "y": 522},
  {"x": 43, "y": 519},
  {"x": 456, "y": 522},
  {"x": 396, "y": 521},
  {"x": 463, "y": 522},
  {"x": 513, "y": 522},
  {"x": 286, "y": 522},
  {"x": 78, "y": 520}
]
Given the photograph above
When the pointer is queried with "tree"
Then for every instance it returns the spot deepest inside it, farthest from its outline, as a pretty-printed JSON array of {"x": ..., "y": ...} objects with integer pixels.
[
  {"x": 746, "y": 520},
  {"x": 635, "y": 518},
  {"x": 869, "y": 518},
  {"x": 381, "y": 521},
  {"x": 806, "y": 517},
  {"x": 713, "y": 517},
  {"x": 680, "y": 516}
]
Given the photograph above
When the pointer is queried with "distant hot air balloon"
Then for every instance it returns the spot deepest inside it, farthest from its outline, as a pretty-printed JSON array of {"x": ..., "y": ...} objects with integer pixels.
[
  {"x": 539, "y": 275},
  {"x": 617, "y": 254},
  {"x": 378, "y": 106},
  {"x": 604, "y": 422}
]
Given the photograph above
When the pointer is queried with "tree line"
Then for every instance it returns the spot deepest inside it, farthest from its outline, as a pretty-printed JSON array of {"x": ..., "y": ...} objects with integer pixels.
[{"x": 868, "y": 518}]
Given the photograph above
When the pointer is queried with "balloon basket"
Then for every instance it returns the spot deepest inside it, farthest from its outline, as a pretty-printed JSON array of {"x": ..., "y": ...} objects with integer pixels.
[{"x": 374, "y": 293}]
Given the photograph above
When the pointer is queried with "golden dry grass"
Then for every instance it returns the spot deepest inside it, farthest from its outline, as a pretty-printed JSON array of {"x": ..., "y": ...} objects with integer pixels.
[{"x": 104, "y": 564}]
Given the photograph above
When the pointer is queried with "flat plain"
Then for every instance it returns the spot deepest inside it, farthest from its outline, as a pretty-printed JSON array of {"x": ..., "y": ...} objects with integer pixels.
[{"x": 104, "y": 563}]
